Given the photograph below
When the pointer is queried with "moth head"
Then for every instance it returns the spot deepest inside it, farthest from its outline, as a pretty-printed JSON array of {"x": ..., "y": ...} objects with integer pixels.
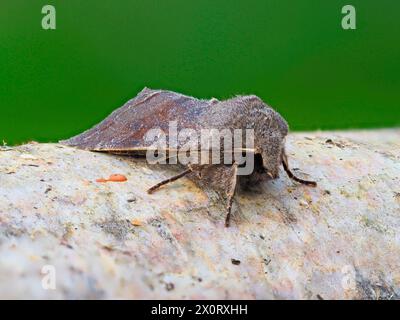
[
  {"x": 272, "y": 157},
  {"x": 270, "y": 140}
]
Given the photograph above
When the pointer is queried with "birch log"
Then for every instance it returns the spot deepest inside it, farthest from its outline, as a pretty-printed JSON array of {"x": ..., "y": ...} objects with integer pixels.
[{"x": 64, "y": 235}]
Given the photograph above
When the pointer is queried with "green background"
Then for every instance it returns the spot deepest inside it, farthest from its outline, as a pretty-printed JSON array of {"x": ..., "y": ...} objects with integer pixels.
[{"x": 292, "y": 53}]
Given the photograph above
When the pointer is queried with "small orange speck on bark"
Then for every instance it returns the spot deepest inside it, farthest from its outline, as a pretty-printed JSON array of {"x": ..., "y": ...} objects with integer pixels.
[
  {"x": 113, "y": 178},
  {"x": 136, "y": 222},
  {"x": 117, "y": 178}
]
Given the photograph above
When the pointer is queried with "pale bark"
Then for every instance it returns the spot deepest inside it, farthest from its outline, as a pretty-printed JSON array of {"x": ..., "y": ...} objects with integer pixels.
[{"x": 113, "y": 240}]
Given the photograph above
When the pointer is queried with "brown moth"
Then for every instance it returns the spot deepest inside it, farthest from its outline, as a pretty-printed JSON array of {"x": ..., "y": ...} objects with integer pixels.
[{"x": 124, "y": 130}]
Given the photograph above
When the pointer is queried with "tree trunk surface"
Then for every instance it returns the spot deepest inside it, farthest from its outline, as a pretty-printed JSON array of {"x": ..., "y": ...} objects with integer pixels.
[{"x": 64, "y": 235}]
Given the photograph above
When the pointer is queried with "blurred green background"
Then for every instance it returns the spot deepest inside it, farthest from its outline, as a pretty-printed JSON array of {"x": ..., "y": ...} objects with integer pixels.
[{"x": 292, "y": 53}]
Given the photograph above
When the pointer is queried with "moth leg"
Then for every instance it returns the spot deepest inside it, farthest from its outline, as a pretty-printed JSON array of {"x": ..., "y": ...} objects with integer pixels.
[
  {"x": 161, "y": 183},
  {"x": 285, "y": 164},
  {"x": 231, "y": 194}
]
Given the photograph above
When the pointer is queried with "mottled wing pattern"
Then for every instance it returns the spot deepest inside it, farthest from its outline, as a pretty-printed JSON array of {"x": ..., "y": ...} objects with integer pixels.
[{"x": 124, "y": 129}]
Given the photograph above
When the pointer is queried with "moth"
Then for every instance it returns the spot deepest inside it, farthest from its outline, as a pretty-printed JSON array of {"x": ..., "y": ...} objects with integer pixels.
[{"x": 124, "y": 132}]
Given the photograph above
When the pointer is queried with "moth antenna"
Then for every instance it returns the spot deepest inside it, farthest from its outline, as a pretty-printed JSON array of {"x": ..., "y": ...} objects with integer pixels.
[{"x": 292, "y": 176}]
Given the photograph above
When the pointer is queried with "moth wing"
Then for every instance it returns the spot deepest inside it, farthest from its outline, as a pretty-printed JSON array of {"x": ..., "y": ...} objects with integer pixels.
[{"x": 125, "y": 128}]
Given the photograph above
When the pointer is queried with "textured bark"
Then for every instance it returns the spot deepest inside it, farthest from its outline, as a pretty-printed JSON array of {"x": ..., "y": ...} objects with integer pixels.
[{"x": 113, "y": 240}]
